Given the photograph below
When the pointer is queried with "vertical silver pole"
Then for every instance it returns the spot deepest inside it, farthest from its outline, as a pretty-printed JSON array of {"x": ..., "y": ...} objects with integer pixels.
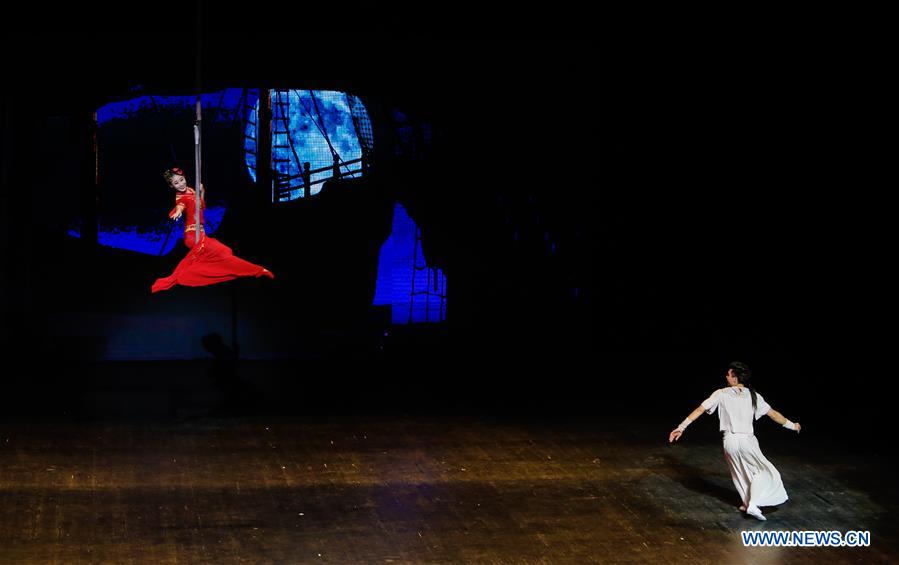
[
  {"x": 199, "y": 183},
  {"x": 198, "y": 189}
]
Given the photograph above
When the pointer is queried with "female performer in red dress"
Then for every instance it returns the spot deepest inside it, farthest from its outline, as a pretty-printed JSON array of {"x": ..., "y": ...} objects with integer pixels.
[{"x": 210, "y": 261}]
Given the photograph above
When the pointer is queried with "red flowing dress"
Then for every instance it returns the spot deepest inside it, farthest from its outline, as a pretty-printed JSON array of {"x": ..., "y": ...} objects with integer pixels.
[{"x": 208, "y": 262}]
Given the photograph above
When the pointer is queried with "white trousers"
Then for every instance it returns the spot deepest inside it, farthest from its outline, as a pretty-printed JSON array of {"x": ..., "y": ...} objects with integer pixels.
[{"x": 756, "y": 479}]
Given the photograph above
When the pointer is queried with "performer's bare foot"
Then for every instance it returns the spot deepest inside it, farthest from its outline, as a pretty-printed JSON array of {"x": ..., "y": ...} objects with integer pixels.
[
  {"x": 267, "y": 273},
  {"x": 742, "y": 508},
  {"x": 756, "y": 513}
]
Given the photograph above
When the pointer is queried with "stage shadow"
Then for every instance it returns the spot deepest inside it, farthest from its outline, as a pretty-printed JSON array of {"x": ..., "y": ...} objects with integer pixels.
[
  {"x": 239, "y": 398},
  {"x": 694, "y": 479}
]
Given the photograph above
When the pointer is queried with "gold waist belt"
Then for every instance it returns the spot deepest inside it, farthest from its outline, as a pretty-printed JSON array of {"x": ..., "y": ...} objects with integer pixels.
[{"x": 192, "y": 227}]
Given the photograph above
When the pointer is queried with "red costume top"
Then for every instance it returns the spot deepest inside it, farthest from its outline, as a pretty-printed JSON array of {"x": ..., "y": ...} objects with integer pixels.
[
  {"x": 187, "y": 202},
  {"x": 209, "y": 262}
]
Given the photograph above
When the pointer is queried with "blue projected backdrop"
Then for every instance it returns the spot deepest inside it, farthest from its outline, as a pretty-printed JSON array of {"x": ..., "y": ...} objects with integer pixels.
[
  {"x": 396, "y": 271},
  {"x": 161, "y": 237},
  {"x": 311, "y": 126},
  {"x": 308, "y": 126},
  {"x": 159, "y": 240}
]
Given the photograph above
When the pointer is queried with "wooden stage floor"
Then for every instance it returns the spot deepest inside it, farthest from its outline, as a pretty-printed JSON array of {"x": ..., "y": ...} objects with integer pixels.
[{"x": 409, "y": 489}]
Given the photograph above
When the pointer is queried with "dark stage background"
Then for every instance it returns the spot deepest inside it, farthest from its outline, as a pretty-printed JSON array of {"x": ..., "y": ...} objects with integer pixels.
[{"x": 699, "y": 201}]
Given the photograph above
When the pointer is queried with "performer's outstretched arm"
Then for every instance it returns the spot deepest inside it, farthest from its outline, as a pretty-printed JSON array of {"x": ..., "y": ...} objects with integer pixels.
[
  {"x": 779, "y": 418},
  {"x": 679, "y": 430},
  {"x": 176, "y": 211}
]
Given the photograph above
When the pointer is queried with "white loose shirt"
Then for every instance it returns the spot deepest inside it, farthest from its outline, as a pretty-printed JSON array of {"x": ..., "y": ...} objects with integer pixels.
[{"x": 734, "y": 405}]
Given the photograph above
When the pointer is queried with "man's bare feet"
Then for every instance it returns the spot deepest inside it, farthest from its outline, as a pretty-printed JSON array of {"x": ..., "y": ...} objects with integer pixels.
[{"x": 756, "y": 513}]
